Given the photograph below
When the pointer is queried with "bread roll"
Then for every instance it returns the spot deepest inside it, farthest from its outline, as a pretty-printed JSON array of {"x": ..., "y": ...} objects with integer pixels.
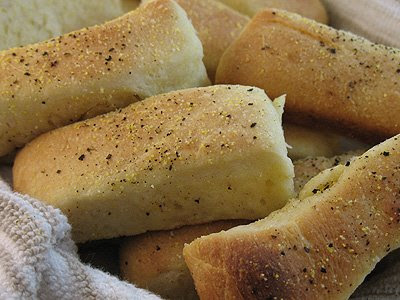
[
  {"x": 26, "y": 22},
  {"x": 154, "y": 260},
  {"x": 330, "y": 77},
  {"x": 312, "y": 9},
  {"x": 217, "y": 26},
  {"x": 321, "y": 247},
  {"x": 185, "y": 157},
  {"x": 149, "y": 51}
]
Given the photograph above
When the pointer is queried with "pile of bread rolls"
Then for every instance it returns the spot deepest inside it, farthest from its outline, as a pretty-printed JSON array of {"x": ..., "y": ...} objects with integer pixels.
[{"x": 175, "y": 126}]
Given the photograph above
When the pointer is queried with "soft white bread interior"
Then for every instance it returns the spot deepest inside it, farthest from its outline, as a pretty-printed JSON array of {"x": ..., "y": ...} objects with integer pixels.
[
  {"x": 151, "y": 50},
  {"x": 319, "y": 247},
  {"x": 313, "y": 9},
  {"x": 217, "y": 25},
  {"x": 186, "y": 157},
  {"x": 27, "y": 22}
]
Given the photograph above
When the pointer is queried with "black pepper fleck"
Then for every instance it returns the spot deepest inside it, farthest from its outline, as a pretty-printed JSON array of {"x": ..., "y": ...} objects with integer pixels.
[{"x": 332, "y": 50}]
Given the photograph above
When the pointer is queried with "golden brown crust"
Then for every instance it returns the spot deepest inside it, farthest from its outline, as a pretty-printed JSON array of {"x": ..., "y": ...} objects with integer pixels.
[
  {"x": 329, "y": 76},
  {"x": 319, "y": 248},
  {"x": 217, "y": 26},
  {"x": 96, "y": 70},
  {"x": 154, "y": 260},
  {"x": 185, "y": 157},
  {"x": 312, "y": 9}
]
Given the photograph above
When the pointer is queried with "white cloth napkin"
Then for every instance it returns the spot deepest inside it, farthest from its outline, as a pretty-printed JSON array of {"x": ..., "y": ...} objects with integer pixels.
[{"x": 38, "y": 259}]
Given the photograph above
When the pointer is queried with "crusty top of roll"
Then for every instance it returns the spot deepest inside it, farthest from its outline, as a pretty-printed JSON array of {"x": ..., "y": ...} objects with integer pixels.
[
  {"x": 185, "y": 157},
  {"x": 330, "y": 77},
  {"x": 320, "y": 247},
  {"x": 149, "y": 51},
  {"x": 217, "y": 26}
]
